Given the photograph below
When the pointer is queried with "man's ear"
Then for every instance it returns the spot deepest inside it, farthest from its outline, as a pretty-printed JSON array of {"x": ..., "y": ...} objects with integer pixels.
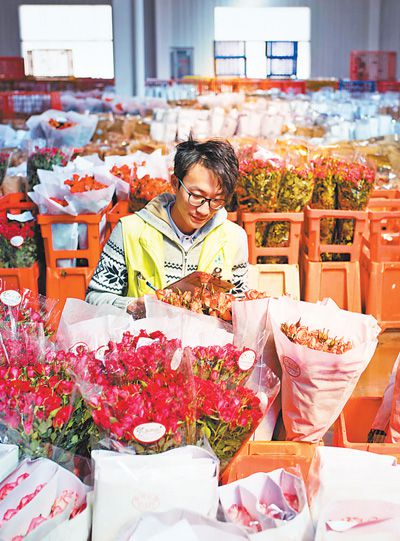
[{"x": 174, "y": 183}]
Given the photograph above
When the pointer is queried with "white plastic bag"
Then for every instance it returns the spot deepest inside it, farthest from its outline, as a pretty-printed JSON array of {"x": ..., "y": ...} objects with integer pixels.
[
  {"x": 180, "y": 525},
  {"x": 8, "y": 459},
  {"x": 126, "y": 486},
  {"x": 359, "y": 520}
]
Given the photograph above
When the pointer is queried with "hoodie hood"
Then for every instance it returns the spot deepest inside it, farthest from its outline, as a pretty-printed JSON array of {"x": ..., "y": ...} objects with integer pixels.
[{"x": 155, "y": 214}]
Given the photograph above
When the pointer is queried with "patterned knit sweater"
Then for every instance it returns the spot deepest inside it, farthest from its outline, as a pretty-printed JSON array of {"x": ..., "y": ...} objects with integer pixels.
[{"x": 109, "y": 283}]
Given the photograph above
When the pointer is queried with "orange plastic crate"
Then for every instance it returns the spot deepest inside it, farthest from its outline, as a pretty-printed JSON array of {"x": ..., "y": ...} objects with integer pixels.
[
  {"x": 118, "y": 211},
  {"x": 384, "y": 194},
  {"x": 339, "y": 280},
  {"x": 383, "y": 236},
  {"x": 312, "y": 241},
  {"x": 266, "y": 456},
  {"x": 94, "y": 241},
  {"x": 249, "y": 220},
  {"x": 15, "y": 203},
  {"x": 62, "y": 283},
  {"x": 275, "y": 279},
  {"x": 20, "y": 278},
  {"x": 352, "y": 427},
  {"x": 380, "y": 286}
]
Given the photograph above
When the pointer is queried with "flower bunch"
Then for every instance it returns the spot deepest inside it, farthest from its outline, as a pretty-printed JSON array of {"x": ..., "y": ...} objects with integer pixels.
[
  {"x": 223, "y": 364},
  {"x": 34, "y": 315},
  {"x": 39, "y": 405},
  {"x": 205, "y": 301},
  {"x": 124, "y": 172},
  {"x": 200, "y": 300},
  {"x": 43, "y": 158},
  {"x": 355, "y": 183},
  {"x": 258, "y": 185},
  {"x": 324, "y": 195},
  {"x": 5, "y": 158},
  {"x": 61, "y": 124},
  {"x": 227, "y": 412},
  {"x": 295, "y": 192},
  {"x": 315, "y": 339},
  {"x": 18, "y": 246},
  {"x": 134, "y": 389},
  {"x": 83, "y": 184},
  {"x": 60, "y": 504},
  {"x": 226, "y": 416},
  {"x": 143, "y": 190}
]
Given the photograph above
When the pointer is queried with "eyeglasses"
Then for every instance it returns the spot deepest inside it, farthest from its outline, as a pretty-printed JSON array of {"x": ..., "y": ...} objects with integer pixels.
[{"x": 198, "y": 200}]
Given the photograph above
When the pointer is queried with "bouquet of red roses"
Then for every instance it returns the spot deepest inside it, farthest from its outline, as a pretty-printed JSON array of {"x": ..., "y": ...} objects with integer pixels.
[
  {"x": 18, "y": 247},
  {"x": 140, "y": 391},
  {"x": 228, "y": 410},
  {"x": 40, "y": 408}
]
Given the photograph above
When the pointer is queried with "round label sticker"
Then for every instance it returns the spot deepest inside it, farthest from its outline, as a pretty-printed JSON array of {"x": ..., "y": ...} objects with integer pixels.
[
  {"x": 10, "y": 297},
  {"x": 17, "y": 241},
  {"x": 101, "y": 353},
  {"x": 247, "y": 359},
  {"x": 74, "y": 349},
  {"x": 176, "y": 359},
  {"x": 291, "y": 367},
  {"x": 149, "y": 432}
]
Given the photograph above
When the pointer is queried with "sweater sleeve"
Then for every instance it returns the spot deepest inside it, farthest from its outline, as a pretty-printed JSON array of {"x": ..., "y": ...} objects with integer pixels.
[
  {"x": 109, "y": 282},
  {"x": 241, "y": 266}
]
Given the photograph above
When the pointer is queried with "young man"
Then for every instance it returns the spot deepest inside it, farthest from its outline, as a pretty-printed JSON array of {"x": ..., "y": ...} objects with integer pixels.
[{"x": 176, "y": 235}]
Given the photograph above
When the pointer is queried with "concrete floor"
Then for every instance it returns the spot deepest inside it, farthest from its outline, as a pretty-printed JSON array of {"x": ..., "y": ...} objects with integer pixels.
[{"x": 375, "y": 378}]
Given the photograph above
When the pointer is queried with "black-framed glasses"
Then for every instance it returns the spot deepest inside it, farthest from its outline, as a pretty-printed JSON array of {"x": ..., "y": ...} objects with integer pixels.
[{"x": 198, "y": 200}]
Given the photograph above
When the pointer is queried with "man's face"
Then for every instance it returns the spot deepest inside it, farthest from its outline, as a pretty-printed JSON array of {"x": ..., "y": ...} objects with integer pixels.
[{"x": 201, "y": 182}]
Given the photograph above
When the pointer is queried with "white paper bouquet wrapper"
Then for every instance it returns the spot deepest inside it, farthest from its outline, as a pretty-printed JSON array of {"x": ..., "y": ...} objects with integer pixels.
[
  {"x": 177, "y": 525},
  {"x": 55, "y": 480},
  {"x": 346, "y": 474},
  {"x": 268, "y": 488},
  {"x": 126, "y": 486},
  {"x": 252, "y": 328},
  {"x": 359, "y": 520},
  {"x": 316, "y": 385},
  {"x": 8, "y": 459},
  {"x": 76, "y": 529},
  {"x": 192, "y": 328},
  {"x": 78, "y": 135},
  {"x": 92, "y": 325}
]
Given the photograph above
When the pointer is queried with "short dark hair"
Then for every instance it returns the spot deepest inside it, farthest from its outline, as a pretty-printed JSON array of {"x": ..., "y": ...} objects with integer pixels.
[{"x": 217, "y": 155}]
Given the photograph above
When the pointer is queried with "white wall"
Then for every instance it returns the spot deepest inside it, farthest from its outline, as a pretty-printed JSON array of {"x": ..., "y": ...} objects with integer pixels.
[
  {"x": 390, "y": 29},
  {"x": 9, "y": 23},
  {"x": 337, "y": 27}
]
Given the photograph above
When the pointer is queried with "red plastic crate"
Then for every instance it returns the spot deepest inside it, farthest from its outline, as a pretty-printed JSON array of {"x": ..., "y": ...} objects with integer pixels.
[
  {"x": 12, "y": 68},
  {"x": 20, "y": 278},
  {"x": 312, "y": 228},
  {"x": 248, "y": 220},
  {"x": 23, "y": 104},
  {"x": 388, "y": 86},
  {"x": 373, "y": 65}
]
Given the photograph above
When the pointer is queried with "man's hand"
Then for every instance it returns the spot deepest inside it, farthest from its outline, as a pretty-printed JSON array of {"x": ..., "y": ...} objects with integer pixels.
[{"x": 137, "y": 308}]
